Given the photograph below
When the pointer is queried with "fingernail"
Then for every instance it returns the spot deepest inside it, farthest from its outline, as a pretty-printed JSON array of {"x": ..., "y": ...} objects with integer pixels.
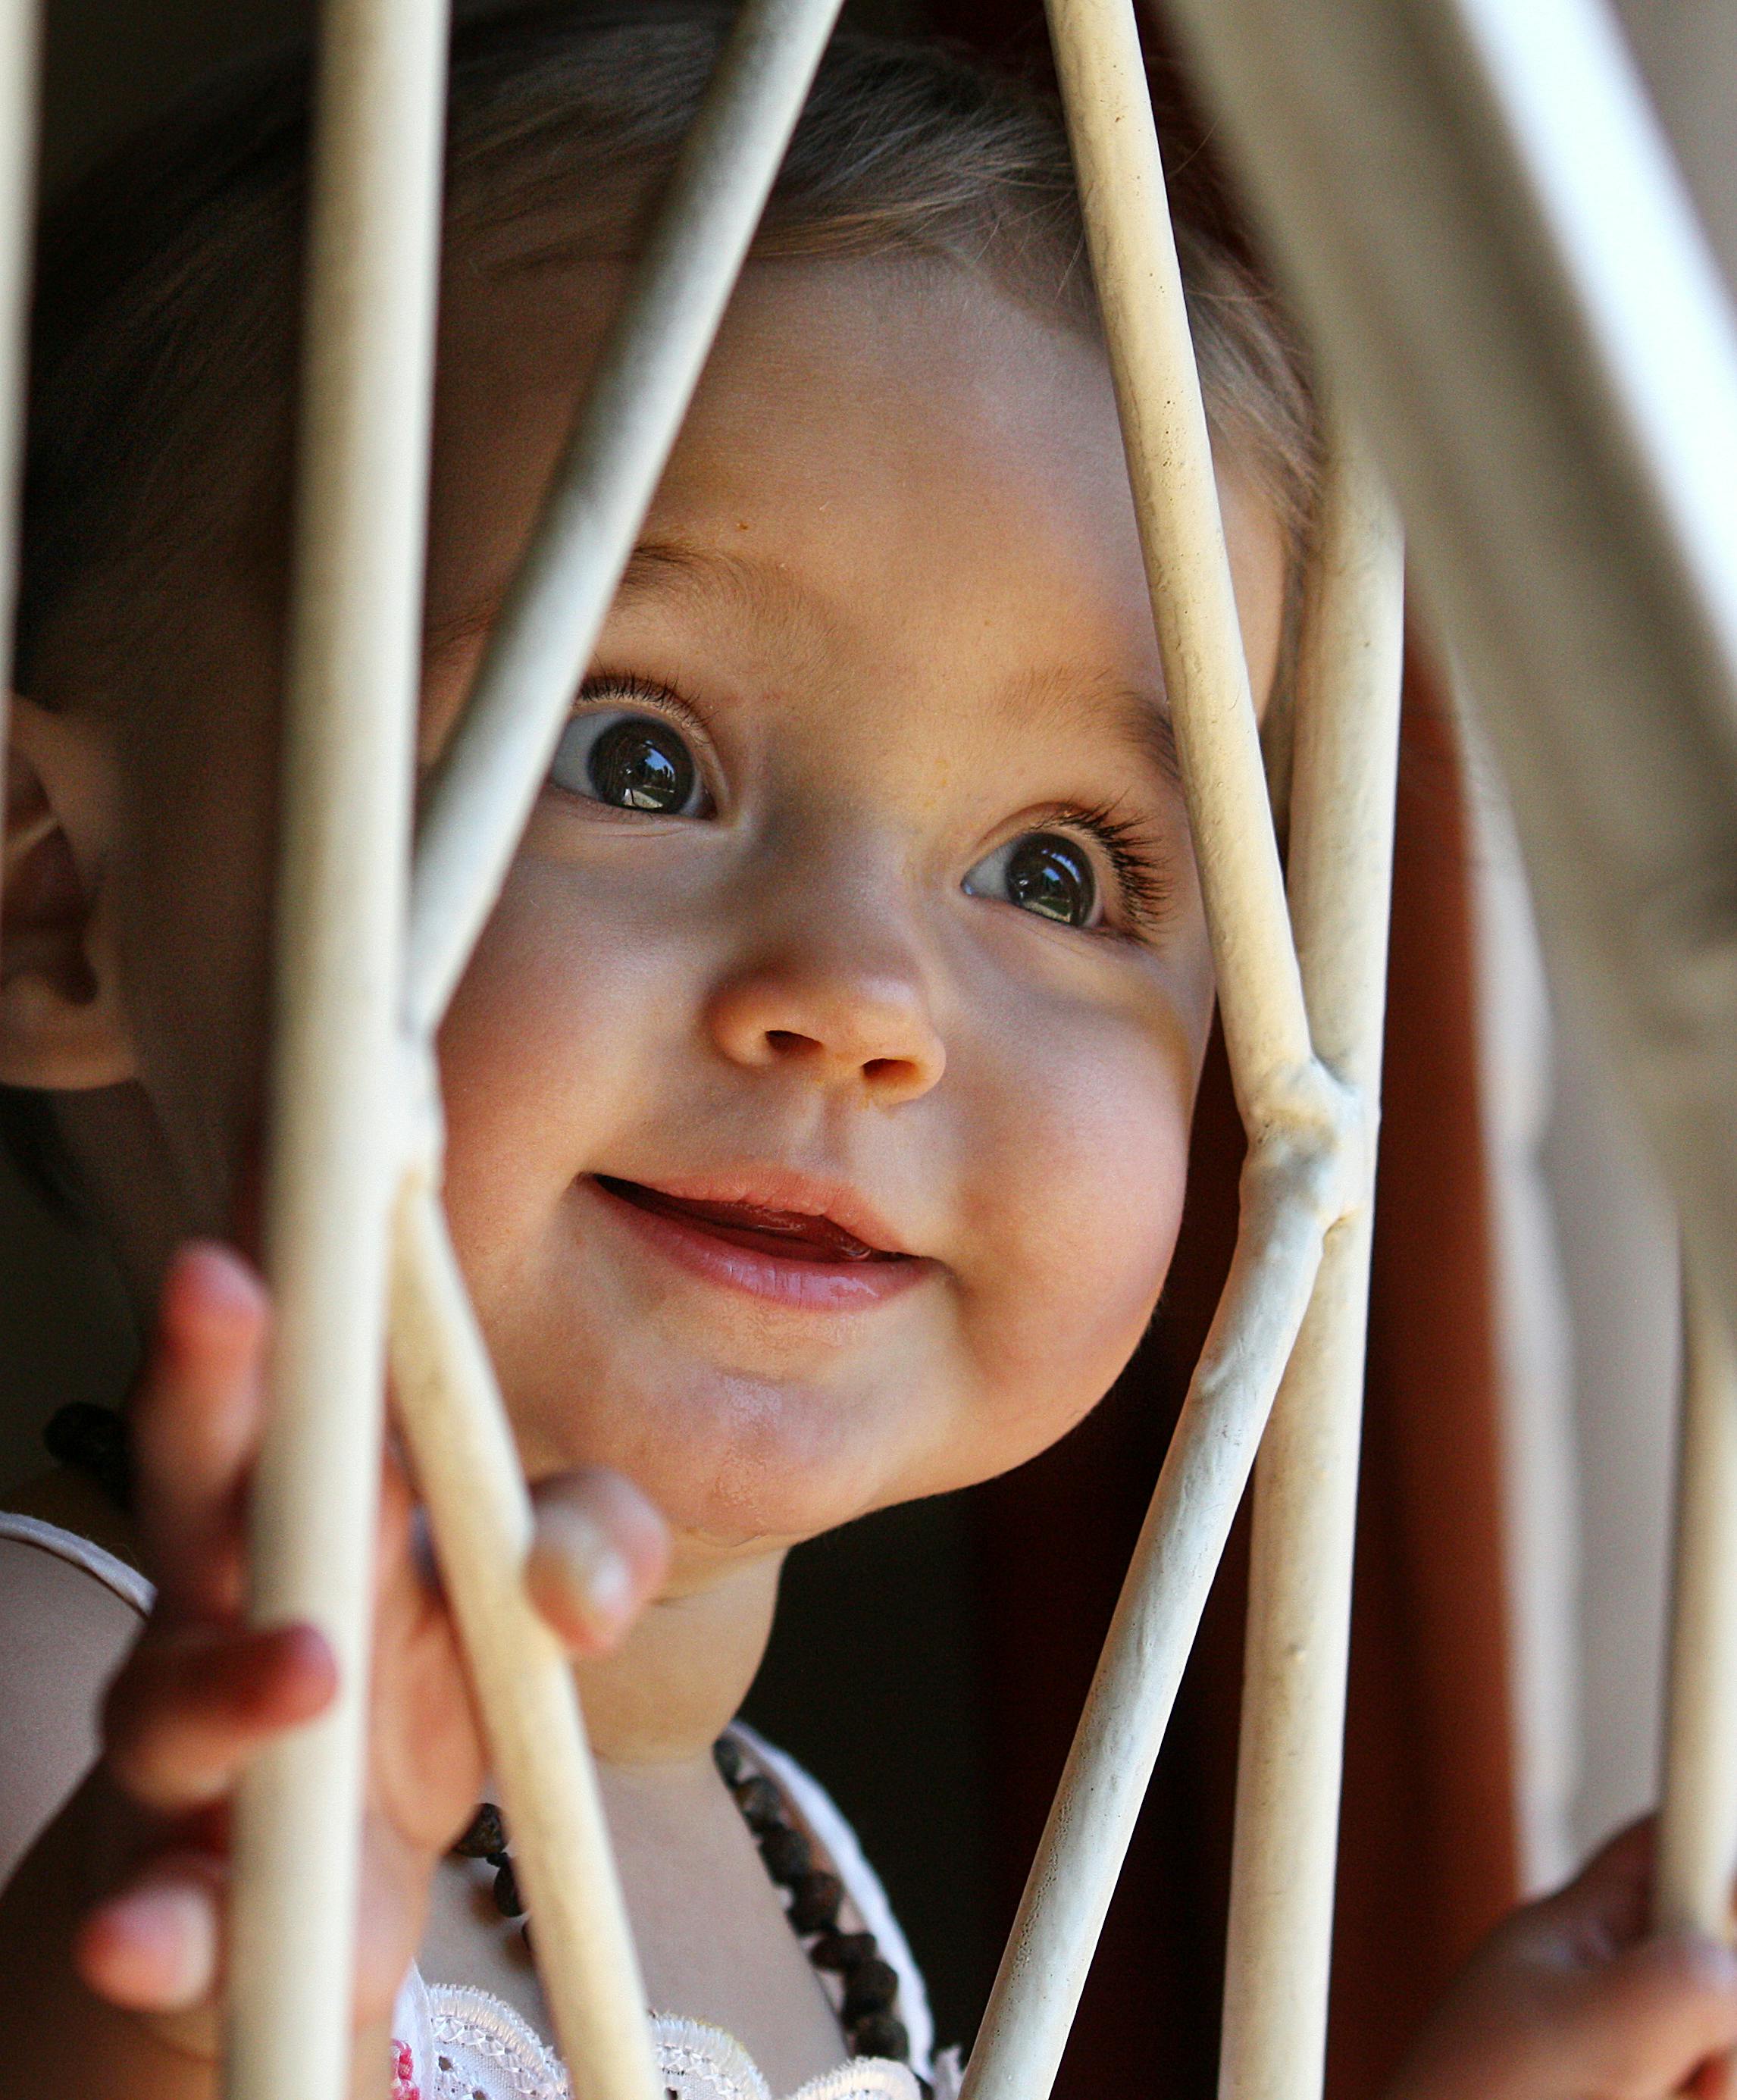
[
  {"x": 609, "y": 1585},
  {"x": 574, "y": 1558},
  {"x": 153, "y": 1948},
  {"x": 227, "y": 1277}
]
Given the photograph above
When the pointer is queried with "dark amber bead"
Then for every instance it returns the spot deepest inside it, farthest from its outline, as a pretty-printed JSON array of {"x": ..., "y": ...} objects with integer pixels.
[
  {"x": 814, "y": 1901},
  {"x": 787, "y": 1854},
  {"x": 879, "y": 2034},
  {"x": 842, "y": 1951},
  {"x": 870, "y": 1988},
  {"x": 487, "y": 1833},
  {"x": 758, "y": 1799},
  {"x": 507, "y": 1899}
]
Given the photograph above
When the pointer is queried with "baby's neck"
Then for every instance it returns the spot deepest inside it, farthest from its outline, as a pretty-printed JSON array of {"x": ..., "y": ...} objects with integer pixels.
[{"x": 677, "y": 1681}]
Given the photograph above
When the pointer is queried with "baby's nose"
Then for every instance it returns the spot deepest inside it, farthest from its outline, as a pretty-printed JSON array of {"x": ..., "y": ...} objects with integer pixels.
[{"x": 844, "y": 1023}]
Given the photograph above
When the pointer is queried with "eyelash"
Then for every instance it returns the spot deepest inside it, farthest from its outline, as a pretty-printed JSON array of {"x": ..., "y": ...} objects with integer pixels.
[
  {"x": 1142, "y": 876},
  {"x": 641, "y": 692}
]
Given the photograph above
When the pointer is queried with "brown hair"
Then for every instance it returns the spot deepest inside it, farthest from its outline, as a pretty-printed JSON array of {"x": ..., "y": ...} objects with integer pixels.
[{"x": 165, "y": 324}]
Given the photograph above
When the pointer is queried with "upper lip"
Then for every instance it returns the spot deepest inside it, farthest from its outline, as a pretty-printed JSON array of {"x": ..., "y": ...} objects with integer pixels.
[{"x": 780, "y": 1188}]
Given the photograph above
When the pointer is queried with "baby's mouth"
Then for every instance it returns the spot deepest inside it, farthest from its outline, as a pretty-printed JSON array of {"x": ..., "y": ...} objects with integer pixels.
[{"x": 791, "y": 1235}]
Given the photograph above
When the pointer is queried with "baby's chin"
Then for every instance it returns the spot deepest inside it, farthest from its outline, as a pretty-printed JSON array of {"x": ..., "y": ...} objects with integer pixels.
[{"x": 739, "y": 1463}]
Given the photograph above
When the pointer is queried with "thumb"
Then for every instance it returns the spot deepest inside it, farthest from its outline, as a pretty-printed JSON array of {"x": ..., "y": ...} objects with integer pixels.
[{"x": 597, "y": 1553}]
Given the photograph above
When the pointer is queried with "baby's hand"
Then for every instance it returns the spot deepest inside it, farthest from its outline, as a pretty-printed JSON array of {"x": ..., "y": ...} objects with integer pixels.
[
  {"x": 202, "y": 1691},
  {"x": 1573, "y": 1999}
]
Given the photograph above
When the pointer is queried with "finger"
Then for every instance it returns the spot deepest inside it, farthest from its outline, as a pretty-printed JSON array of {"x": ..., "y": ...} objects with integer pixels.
[
  {"x": 196, "y": 1425},
  {"x": 597, "y": 1554},
  {"x": 192, "y": 1705},
  {"x": 1657, "y": 2012},
  {"x": 153, "y": 1947},
  {"x": 1608, "y": 1905}
]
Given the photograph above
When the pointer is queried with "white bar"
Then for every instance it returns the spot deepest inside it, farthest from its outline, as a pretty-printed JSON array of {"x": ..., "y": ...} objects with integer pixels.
[
  {"x": 1698, "y": 1822},
  {"x": 469, "y": 1475},
  {"x": 1294, "y": 1112},
  {"x": 1115, "y": 145},
  {"x": 1043, "y": 1971},
  {"x": 19, "y": 90},
  {"x": 460, "y": 1442},
  {"x": 1497, "y": 260},
  {"x": 543, "y": 640},
  {"x": 1291, "y": 1757},
  {"x": 335, "y": 1130}
]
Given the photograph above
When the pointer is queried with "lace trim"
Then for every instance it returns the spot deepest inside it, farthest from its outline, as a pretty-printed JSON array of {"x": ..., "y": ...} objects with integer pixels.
[
  {"x": 466, "y": 2022},
  {"x": 475, "y": 2035}
]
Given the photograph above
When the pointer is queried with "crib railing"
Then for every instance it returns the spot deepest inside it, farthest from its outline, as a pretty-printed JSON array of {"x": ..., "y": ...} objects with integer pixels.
[
  {"x": 1448, "y": 208},
  {"x": 1491, "y": 240},
  {"x": 1303, "y": 1035}
]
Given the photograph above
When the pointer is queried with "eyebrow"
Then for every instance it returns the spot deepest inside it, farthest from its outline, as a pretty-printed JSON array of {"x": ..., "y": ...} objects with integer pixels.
[
  {"x": 651, "y": 567},
  {"x": 1145, "y": 723},
  {"x": 1138, "y": 713},
  {"x": 654, "y": 564}
]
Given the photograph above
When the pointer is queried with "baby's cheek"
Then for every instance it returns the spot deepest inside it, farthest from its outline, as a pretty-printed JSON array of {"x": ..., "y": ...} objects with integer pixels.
[
  {"x": 542, "y": 1042},
  {"x": 1092, "y": 1203}
]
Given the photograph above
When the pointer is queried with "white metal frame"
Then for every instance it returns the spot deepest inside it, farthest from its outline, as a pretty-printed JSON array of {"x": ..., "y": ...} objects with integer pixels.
[
  {"x": 1414, "y": 159},
  {"x": 354, "y": 687},
  {"x": 1698, "y": 1825},
  {"x": 359, "y": 1004},
  {"x": 1494, "y": 253},
  {"x": 1308, "y": 1180}
]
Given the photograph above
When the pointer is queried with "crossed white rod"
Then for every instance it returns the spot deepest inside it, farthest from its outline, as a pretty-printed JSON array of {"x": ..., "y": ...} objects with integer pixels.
[
  {"x": 1494, "y": 249},
  {"x": 1290, "y": 1752},
  {"x": 1297, "y": 1116},
  {"x": 537, "y": 654},
  {"x": 1698, "y": 1820},
  {"x": 1488, "y": 236},
  {"x": 1043, "y": 1970},
  {"x": 19, "y": 31},
  {"x": 1115, "y": 146},
  {"x": 449, "y": 1405},
  {"x": 336, "y": 1147},
  {"x": 542, "y": 641}
]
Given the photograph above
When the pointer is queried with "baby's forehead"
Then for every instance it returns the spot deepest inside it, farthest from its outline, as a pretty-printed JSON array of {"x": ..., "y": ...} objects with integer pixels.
[
  {"x": 891, "y": 467},
  {"x": 867, "y": 417}
]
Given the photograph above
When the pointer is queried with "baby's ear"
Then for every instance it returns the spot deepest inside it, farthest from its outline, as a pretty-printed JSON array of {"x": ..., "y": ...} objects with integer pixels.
[{"x": 61, "y": 1023}]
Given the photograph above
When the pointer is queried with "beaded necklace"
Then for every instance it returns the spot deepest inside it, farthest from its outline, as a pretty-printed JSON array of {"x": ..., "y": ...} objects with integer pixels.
[
  {"x": 813, "y": 1894},
  {"x": 93, "y": 1441}
]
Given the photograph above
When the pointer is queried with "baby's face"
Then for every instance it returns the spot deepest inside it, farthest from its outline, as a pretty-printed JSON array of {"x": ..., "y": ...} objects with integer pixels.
[{"x": 818, "y": 1097}]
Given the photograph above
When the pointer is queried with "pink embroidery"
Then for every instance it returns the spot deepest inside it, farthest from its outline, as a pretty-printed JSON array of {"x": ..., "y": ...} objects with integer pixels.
[{"x": 403, "y": 2073}]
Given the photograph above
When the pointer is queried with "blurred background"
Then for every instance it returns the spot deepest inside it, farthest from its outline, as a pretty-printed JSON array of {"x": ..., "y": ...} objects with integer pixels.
[{"x": 1511, "y": 1583}]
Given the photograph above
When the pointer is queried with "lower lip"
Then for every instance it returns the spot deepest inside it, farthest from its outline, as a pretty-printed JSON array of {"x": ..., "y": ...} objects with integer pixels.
[{"x": 807, "y": 1286}]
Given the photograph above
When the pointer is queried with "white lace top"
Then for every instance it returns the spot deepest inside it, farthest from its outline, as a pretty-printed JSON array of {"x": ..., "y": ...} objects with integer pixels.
[{"x": 452, "y": 2042}]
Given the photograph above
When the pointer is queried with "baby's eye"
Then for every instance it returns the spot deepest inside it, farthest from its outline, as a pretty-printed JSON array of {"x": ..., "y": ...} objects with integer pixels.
[
  {"x": 630, "y": 761},
  {"x": 1046, "y": 872}
]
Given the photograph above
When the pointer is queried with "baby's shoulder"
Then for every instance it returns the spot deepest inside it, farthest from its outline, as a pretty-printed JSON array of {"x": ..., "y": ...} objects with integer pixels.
[
  {"x": 71, "y": 1605},
  {"x": 69, "y": 1501}
]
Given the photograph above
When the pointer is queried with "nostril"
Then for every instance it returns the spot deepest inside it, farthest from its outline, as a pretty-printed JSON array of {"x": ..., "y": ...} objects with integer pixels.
[
  {"x": 788, "y": 1042},
  {"x": 887, "y": 1071}
]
